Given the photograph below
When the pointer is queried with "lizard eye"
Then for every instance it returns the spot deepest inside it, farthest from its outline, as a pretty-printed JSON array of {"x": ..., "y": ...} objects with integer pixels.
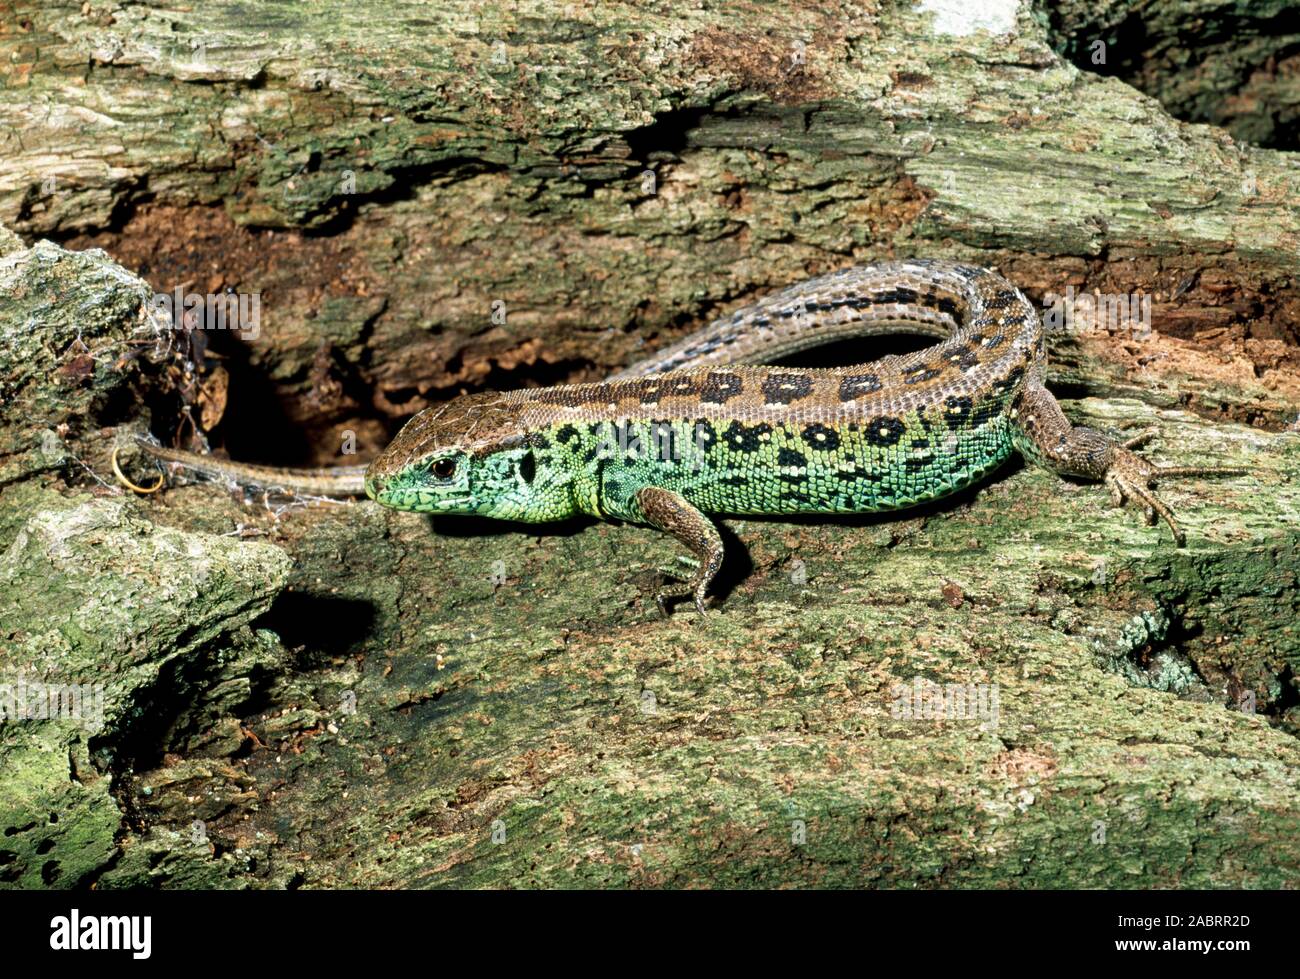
[{"x": 444, "y": 468}]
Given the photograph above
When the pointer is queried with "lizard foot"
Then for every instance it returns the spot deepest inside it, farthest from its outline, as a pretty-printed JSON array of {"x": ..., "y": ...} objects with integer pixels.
[
  {"x": 1131, "y": 477},
  {"x": 672, "y": 574},
  {"x": 672, "y": 513},
  {"x": 661, "y": 600}
]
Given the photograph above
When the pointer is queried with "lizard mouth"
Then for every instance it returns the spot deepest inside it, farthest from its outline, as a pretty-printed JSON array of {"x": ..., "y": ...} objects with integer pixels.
[{"x": 402, "y": 497}]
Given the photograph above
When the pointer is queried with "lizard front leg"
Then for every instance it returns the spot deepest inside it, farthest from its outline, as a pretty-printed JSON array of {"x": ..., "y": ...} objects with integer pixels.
[
  {"x": 1045, "y": 436},
  {"x": 673, "y": 514}
]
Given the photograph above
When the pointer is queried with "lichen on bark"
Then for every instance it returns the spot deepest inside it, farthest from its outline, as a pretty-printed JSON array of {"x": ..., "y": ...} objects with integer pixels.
[{"x": 340, "y": 695}]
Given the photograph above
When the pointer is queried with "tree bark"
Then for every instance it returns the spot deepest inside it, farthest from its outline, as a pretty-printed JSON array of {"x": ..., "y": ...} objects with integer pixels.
[{"x": 359, "y": 697}]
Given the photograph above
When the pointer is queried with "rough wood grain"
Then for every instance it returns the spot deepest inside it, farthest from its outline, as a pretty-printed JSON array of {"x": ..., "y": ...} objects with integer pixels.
[
  {"x": 343, "y": 695},
  {"x": 384, "y": 173}
]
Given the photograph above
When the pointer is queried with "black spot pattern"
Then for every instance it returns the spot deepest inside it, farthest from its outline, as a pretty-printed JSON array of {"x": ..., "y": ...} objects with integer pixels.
[
  {"x": 784, "y": 389},
  {"x": 1012, "y": 379},
  {"x": 536, "y": 440},
  {"x": 745, "y": 438},
  {"x": 856, "y": 385},
  {"x": 648, "y": 391},
  {"x": 956, "y": 411},
  {"x": 527, "y": 467},
  {"x": 885, "y": 430},
  {"x": 662, "y": 442},
  {"x": 566, "y": 434},
  {"x": 918, "y": 375},
  {"x": 861, "y": 474},
  {"x": 706, "y": 437},
  {"x": 719, "y": 386},
  {"x": 903, "y": 295},
  {"x": 821, "y": 438},
  {"x": 985, "y": 411},
  {"x": 789, "y": 457}
]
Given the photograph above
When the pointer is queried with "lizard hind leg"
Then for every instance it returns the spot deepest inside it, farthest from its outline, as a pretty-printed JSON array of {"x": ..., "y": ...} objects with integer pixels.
[
  {"x": 673, "y": 514},
  {"x": 1046, "y": 437}
]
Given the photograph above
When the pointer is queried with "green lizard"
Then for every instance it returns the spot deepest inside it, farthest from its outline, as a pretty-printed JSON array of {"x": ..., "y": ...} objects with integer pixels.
[{"x": 690, "y": 432}]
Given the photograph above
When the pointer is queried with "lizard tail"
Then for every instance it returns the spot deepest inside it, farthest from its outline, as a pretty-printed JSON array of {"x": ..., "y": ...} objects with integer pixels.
[{"x": 337, "y": 481}]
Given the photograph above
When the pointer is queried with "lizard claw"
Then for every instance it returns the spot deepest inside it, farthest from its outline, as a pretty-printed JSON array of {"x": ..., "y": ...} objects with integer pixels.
[
  {"x": 1130, "y": 477},
  {"x": 668, "y": 511},
  {"x": 661, "y": 600},
  {"x": 696, "y": 587}
]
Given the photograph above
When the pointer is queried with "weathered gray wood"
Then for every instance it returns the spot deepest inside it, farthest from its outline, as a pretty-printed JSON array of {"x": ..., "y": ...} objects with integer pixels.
[{"x": 465, "y": 704}]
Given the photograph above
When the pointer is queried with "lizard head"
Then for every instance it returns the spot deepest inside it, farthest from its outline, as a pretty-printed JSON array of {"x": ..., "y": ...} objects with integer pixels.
[{"x": 471, "y": 455}]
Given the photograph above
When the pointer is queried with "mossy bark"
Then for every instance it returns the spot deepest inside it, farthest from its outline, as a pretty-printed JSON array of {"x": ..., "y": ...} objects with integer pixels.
[
  {"x": 601, "y": 175},
  {"x": 341, "y": 695}
]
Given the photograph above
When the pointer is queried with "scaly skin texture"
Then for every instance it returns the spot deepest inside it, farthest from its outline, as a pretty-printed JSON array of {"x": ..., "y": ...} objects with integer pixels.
[
  {"x": 334, "y": 481},
  {"x": 683, "y": 434}
]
